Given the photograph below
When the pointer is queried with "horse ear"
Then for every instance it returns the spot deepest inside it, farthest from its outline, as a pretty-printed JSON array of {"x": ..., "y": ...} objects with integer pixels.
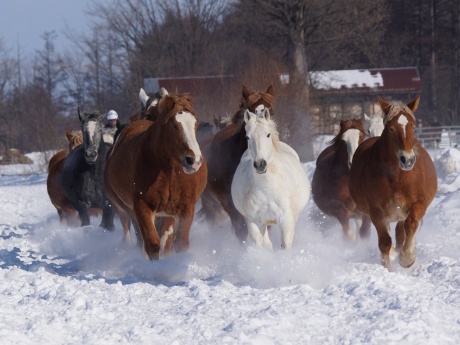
[
  {"x": 81, "y": 116},
  {"x": 247, "y": 116},
  {"x": 366, "y": 118},
  {"x": 246, "y": 92},
  {"x": 101, "y": 117},
  {"x": 270, "y": 90},
  {"x": 267, "y": 114},
  {"x": 68, "y": 134},
  {"x": 384, "y": 105},
  {"x": 414, "y": 104},
  {"x": 143, "y": 97}
]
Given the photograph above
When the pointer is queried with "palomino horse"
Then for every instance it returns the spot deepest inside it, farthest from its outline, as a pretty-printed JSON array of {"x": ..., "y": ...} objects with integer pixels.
[
  {"x": 225, "y": 154},
  {"x": 164, "y": 174},
  {"x": 67, "y": 213},
  {"x": 270, "y": 185},
  {"x": 393, "y": 179},
  {"x": 83, "y": 172},
  {"x": 373, "y": 125},
  {"x": 330, "y": 180}
]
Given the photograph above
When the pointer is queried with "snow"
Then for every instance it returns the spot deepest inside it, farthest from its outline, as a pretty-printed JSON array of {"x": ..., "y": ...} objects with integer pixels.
[
  {"x": 61, "y": 285},
  {"x": 346, "y": 78}
]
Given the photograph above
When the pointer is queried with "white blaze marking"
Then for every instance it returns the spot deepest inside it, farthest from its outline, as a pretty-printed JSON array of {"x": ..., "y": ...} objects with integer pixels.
[
  {"x": 259, "y": 109},
  {"x": 92, "y": 130},
  {"x": 188, "y": 121},
  {"x": 351, "y": 138},
  {"x": 403, "y": 122}
]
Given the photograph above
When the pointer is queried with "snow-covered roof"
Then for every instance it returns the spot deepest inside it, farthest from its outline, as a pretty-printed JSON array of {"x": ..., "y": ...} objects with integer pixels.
[
  {"x": 354, "y": 78},
  {"x": 373, "y": 80}
]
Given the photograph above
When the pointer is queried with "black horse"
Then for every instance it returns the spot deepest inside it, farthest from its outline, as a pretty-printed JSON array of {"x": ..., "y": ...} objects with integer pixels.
[{"x": 83, "y": 172}]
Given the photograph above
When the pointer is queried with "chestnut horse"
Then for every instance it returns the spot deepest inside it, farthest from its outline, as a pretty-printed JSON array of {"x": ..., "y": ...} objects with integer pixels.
[
  {"x": 393, "y": 179},
  {"x": 330, "y": 179},
  {"x": 67, "y": 213},
  {"x": 163, "y": 174},
  {"x": 225, "y": 154}
]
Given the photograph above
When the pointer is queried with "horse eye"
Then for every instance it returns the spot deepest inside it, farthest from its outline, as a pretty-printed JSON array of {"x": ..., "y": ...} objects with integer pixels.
[{"x": 268, "y": 135}]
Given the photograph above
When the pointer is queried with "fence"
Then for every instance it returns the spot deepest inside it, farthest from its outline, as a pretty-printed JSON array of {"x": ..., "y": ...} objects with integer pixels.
[{"x": 438, "y": 137}]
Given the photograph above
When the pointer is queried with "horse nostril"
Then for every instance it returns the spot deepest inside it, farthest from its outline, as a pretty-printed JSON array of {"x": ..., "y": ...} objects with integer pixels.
[
  {"x": 189, "y": 160},
  {"x": 402, "y": 159},
  {"x": 263, "y": 164}
]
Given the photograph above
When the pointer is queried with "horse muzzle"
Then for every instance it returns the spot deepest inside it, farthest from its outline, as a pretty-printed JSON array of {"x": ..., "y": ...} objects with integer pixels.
[
  {"x": 260, "y": 166},
  {"x": 191, "y": 165},
  {"x": 90, "y": 158},
  {"x": 406, "y": 161}
]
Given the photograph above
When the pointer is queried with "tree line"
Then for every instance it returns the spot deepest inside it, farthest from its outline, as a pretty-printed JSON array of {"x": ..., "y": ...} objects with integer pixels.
[{"x": 254, "y": 40}]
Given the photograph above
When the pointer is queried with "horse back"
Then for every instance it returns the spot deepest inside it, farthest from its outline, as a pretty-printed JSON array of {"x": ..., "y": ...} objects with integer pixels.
[
  {"x": 53, "y": 182},
  {"x": 330, "y": 179}
]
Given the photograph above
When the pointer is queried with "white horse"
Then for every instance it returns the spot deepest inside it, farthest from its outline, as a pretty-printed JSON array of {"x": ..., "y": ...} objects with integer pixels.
[
  {"x": 270, "y": 185},
  {"x": 373, "y": 125}
]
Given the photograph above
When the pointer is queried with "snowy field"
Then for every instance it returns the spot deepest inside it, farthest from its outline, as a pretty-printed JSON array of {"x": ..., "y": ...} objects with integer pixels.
[{"x": 62, "y": 285}]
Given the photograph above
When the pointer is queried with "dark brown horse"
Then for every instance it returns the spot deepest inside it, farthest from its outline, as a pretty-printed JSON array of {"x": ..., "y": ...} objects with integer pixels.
[
  {"x": 225, "y": 153},
  {"x": 393, "y": 179},
  {"x": 156, "y": 169},
  {"x": 330, "y": 179},
  {"x": 67, "y": 213}
]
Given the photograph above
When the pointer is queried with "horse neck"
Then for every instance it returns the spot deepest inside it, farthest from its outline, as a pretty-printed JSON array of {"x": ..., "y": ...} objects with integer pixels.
[{"x": 341, "y": 152}]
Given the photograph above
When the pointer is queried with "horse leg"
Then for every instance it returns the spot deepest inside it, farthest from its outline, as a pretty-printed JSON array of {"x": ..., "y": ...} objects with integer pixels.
[
  {"x": 140, "y": 240},
  {"x": 125, "y": 221},
  {"x": 400, "y": 235},
  {"x": 383, "y": 233},
  {"x": 408, "y": 252},
  {"x": 83, "y": 213},
  {"x": 287, "y": 233},
  {"x": 166, "y": 226},
  {"x": 144, "y": 217},
  {"x": 348, "y": 233},
  {"x": 266, "y": 243},
  {"x": 365, "y": 229},
  {"x": 182, "y": 237},
  {"x": 108, "y": 213},
  {"x": 258, "y": 236}
]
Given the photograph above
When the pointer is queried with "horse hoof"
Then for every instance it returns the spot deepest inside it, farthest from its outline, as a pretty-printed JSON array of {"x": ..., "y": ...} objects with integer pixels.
[{"x": 406, "y": 261}]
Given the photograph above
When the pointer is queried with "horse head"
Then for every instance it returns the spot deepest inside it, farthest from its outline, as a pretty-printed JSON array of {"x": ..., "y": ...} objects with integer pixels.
[
  {"x": 352, "y": 133},
  {"x": 91, "y": 127},
  {"x": 373, "y": 125},
  {"x": 74, "y": 138},
  {"x": 400, "y": 130},
  {"x": 262, "y": 137},
  {"x": 178, "y": 124}
]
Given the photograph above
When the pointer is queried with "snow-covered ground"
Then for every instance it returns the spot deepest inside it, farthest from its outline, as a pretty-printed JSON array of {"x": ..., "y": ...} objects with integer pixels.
[{"x": 62, "y": 285}]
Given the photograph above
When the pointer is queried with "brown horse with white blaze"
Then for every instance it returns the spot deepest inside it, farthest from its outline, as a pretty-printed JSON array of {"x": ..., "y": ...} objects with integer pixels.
[
  {"x": 393, "y": 179},
  {"x": 330, "y": 179},
  {"x": 163, "y": 174}
]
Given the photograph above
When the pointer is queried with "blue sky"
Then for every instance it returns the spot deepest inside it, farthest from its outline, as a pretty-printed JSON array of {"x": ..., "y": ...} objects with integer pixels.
[{"x": 25, "y": 21}]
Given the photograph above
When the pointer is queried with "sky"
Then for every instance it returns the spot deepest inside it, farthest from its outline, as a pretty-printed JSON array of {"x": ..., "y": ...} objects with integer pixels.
[
  {"x": 83, "y": 285},
  {"x": 25, "y": 21}
]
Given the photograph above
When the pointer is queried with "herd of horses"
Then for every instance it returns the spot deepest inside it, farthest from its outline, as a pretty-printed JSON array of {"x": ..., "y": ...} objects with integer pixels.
[{"x": 153, "y": 171}]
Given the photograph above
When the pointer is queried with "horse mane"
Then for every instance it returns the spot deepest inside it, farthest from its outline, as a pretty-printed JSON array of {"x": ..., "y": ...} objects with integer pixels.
[
  {"x": 254, "y": 97},
  {"x": 395, "y": 109},
  {"x": 274, "y": 131},
  {"x": 182, "y": 102},
  {"x": 346, "y": 125},
  {"x": 75, "y": 138}
]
